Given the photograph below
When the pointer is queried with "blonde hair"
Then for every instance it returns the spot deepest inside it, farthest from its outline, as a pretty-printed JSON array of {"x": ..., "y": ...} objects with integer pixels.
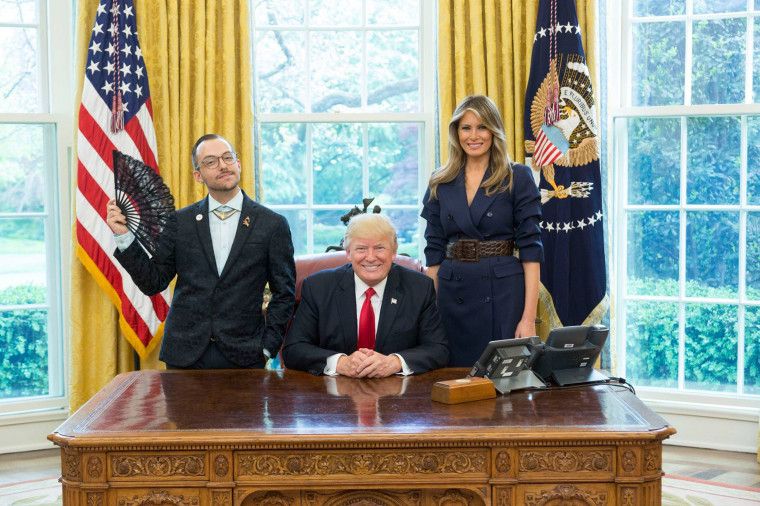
[
  {"x": 499, "y": 163},
  {"x": 374, "y": 226}
]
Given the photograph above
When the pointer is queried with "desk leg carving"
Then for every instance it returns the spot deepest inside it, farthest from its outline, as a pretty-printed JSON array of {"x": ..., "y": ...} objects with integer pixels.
[{"x": 503, "y": 496}]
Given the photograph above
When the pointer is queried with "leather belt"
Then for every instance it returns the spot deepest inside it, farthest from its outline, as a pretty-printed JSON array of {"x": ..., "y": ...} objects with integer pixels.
[{"x": 472, "y": 250}]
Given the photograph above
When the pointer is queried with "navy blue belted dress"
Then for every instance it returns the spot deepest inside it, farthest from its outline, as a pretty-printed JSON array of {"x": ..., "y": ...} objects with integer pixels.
[{"x": 484, "y": 300}]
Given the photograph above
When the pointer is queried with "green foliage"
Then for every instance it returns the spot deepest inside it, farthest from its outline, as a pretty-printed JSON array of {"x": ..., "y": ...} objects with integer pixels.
[
  {"x": 711, "y": 339},
  {"x": 23, "y": 343}
]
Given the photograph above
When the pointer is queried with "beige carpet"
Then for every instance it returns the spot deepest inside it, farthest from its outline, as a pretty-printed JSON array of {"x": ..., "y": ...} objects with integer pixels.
[{"x": 676, "y": 491}]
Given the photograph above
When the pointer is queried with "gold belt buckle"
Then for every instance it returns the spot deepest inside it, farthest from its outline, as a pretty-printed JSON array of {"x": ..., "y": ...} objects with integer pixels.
[{"x": 468, "y": 250}]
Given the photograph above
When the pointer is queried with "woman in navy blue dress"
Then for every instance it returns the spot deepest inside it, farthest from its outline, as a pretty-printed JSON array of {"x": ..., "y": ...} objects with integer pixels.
[{"x": 481, "y": 209}]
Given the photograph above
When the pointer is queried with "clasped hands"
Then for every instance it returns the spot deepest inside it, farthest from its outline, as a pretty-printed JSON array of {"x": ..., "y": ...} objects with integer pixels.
[{"x": 366, "y": 363}]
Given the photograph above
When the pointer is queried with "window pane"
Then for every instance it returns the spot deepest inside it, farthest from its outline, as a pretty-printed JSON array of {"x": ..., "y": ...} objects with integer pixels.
[
  {"x": 19, "y": 82},
  {"x": 653, "y": 253},
  {"x": 22, "y": 158},
  {"x": 392, "y": 71},
  {"x": 18, "y": 11},
  {"x": 654, "y": 160},
  {"x": 393, "y": 12},
  {"x": 658, "y": 63},
  {"x": 394, "y": 163},
  {"x": 22, "y": 252},
  {"x": 753, "y": 158},
  {"x": 753, "y": 256},
  {"x": 658, "y": 7},
  {"x": 337, "y": 159},
  {"x": 24, "y": 345},
  {"x": 752, "y": 350},
  {"x": 407, "y": 230},
  {"x": 284, "y": 171},
  {"x": 710, "y": 355},
  {"x": 278, "y": 12},
  {"x": 297, "y": 222},
  {"x": 334, "y": 13},
  {"x": 718, "y": 61},
  {"x": 281, "y": 70},
  {"x": 714, "y": 160},
  {"x": 711, "y": 6},
  {"x": 712, "y": 254},
  {"x": 328, "y": 229},
  {"x": 652, "y": 343},
  {"x": 335, "y": 71}
]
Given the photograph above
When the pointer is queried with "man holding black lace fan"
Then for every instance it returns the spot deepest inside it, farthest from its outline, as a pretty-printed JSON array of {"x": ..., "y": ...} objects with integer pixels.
[{"x": 223, "y": 250}]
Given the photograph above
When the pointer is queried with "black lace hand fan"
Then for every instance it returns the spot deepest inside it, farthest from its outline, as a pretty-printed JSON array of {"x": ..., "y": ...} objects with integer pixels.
[{"x": 144, "y": 200}]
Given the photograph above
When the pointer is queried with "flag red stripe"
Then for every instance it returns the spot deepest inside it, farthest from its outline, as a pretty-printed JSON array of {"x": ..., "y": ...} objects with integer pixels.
[
  {"x": 101, "y": 259},
  {"x": 95, "y": 136},
  {"x": 135, "y": 131}
]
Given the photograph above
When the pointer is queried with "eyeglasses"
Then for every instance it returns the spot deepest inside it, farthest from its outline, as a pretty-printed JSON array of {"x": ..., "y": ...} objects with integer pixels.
[{"x": 211, "y": 162}]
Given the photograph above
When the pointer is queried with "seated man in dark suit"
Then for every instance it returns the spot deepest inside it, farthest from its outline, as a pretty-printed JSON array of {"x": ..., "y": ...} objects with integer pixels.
[{"x": 333, "y": 331}]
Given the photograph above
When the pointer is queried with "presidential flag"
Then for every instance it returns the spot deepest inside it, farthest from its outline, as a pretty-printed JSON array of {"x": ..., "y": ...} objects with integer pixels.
[
  {"x": 115, "y": 114},
  {"x": 559, "y": 101}
]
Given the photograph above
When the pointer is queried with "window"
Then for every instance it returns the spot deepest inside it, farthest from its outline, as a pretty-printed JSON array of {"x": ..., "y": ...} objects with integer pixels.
[
  {"x": 35, "y": 131},
  {"x": 687, "y": 195},
  {"x": 346, "y": 113}
]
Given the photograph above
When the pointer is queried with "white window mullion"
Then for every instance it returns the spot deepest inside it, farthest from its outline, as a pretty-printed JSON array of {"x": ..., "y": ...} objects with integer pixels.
[
  {"x": 365, "y": 161},
  {"x": 688, "y": 54},
  {"x": 682, "y": 253},
  {"x": 309, "y": 189}
]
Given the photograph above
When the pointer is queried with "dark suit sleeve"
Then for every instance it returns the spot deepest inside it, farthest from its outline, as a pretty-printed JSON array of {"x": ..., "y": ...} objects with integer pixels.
[
  {"x": 151, "y": 275},
  {"x": 281, "y": 276},
  {"x": 432, "y": 351},
  {"x": 301, "y": 350},
  {"x": 435, "y": 237}
]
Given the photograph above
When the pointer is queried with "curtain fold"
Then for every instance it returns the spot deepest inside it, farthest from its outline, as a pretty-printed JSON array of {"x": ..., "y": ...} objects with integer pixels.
[
  {"x": 198, "y": 59},
  {"x": 484, "y": 47}
]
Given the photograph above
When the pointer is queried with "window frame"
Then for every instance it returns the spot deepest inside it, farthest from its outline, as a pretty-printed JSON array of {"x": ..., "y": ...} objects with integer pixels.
[
  {"x": 425, "y": 118},
  {"x": 55, "y": 60},
  {"x": 620, "y": 19}
]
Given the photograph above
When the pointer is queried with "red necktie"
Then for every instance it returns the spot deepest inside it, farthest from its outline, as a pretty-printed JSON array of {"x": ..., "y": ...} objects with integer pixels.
[{"x": 367, "y": 322}]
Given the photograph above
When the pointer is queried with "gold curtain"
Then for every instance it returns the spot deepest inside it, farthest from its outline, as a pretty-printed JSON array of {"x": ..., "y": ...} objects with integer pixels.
[
  {"x": 485, "y": 47},
  {"x": 198, "y": 60}
]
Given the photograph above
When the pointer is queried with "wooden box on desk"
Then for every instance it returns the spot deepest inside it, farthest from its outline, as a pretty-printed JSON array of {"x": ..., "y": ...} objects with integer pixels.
[{"x": 463, "y": 390}]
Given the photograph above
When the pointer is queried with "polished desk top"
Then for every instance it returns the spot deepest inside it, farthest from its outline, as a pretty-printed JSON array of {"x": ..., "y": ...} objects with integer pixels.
[{"x": 278, "y": 406}]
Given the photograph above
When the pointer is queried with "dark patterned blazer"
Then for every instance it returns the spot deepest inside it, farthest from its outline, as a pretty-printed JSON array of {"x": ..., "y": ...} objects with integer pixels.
[{"x": 226, "y": 307}]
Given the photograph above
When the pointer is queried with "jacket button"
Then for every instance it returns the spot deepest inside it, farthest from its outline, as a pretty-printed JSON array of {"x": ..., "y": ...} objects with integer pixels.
[
  {"x": 458, "y": 277},
  {"x": 484, "y": 277},
  {"x": 450, "y": 217},
  {"x": 460, "y": 300},
  {"x": 489, "y": 214},
  {"x": 488, "y": 299}
]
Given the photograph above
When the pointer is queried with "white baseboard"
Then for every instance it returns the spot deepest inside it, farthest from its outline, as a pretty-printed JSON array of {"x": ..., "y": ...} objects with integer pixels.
[
  {"x": 29, "y": 432},
  {"x": 710, "y": 426}
]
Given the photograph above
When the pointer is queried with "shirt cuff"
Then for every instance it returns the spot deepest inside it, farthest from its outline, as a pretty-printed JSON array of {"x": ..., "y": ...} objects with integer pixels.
[
  {"x": 405, "y": 369},
  {"x": 124, "y": 241},
  {"x": 266, "y": 352},
  {"x": 331, "y": 367}
]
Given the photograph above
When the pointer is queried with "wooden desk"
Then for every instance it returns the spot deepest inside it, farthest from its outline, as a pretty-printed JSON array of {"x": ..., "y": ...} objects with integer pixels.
[{"x": 288, "y": 438}]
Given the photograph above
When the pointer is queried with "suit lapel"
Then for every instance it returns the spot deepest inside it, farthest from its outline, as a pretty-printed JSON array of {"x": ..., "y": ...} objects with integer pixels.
[
  {"x": 456, "y": 198},
  {"x": 245, "y": 225},
  {"x": 346, "y": 307},
  {"x": 392, "y": 300},
  {"x": 204, "y": 232},
  {"x": 480, "y": 205}
]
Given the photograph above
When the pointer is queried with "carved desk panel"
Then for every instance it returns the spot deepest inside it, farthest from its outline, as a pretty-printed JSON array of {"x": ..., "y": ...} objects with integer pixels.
[{"x": 286, "y": 438}]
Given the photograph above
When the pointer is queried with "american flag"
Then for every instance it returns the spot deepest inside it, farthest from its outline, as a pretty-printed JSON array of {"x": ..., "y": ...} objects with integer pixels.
[{"x": 115, "y": 114}]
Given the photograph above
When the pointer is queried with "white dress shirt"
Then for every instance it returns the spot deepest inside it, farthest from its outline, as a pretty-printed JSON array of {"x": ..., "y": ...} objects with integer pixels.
[
  {"x": 223, "y": 231},
  {"x": 331, "y": 366}
]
